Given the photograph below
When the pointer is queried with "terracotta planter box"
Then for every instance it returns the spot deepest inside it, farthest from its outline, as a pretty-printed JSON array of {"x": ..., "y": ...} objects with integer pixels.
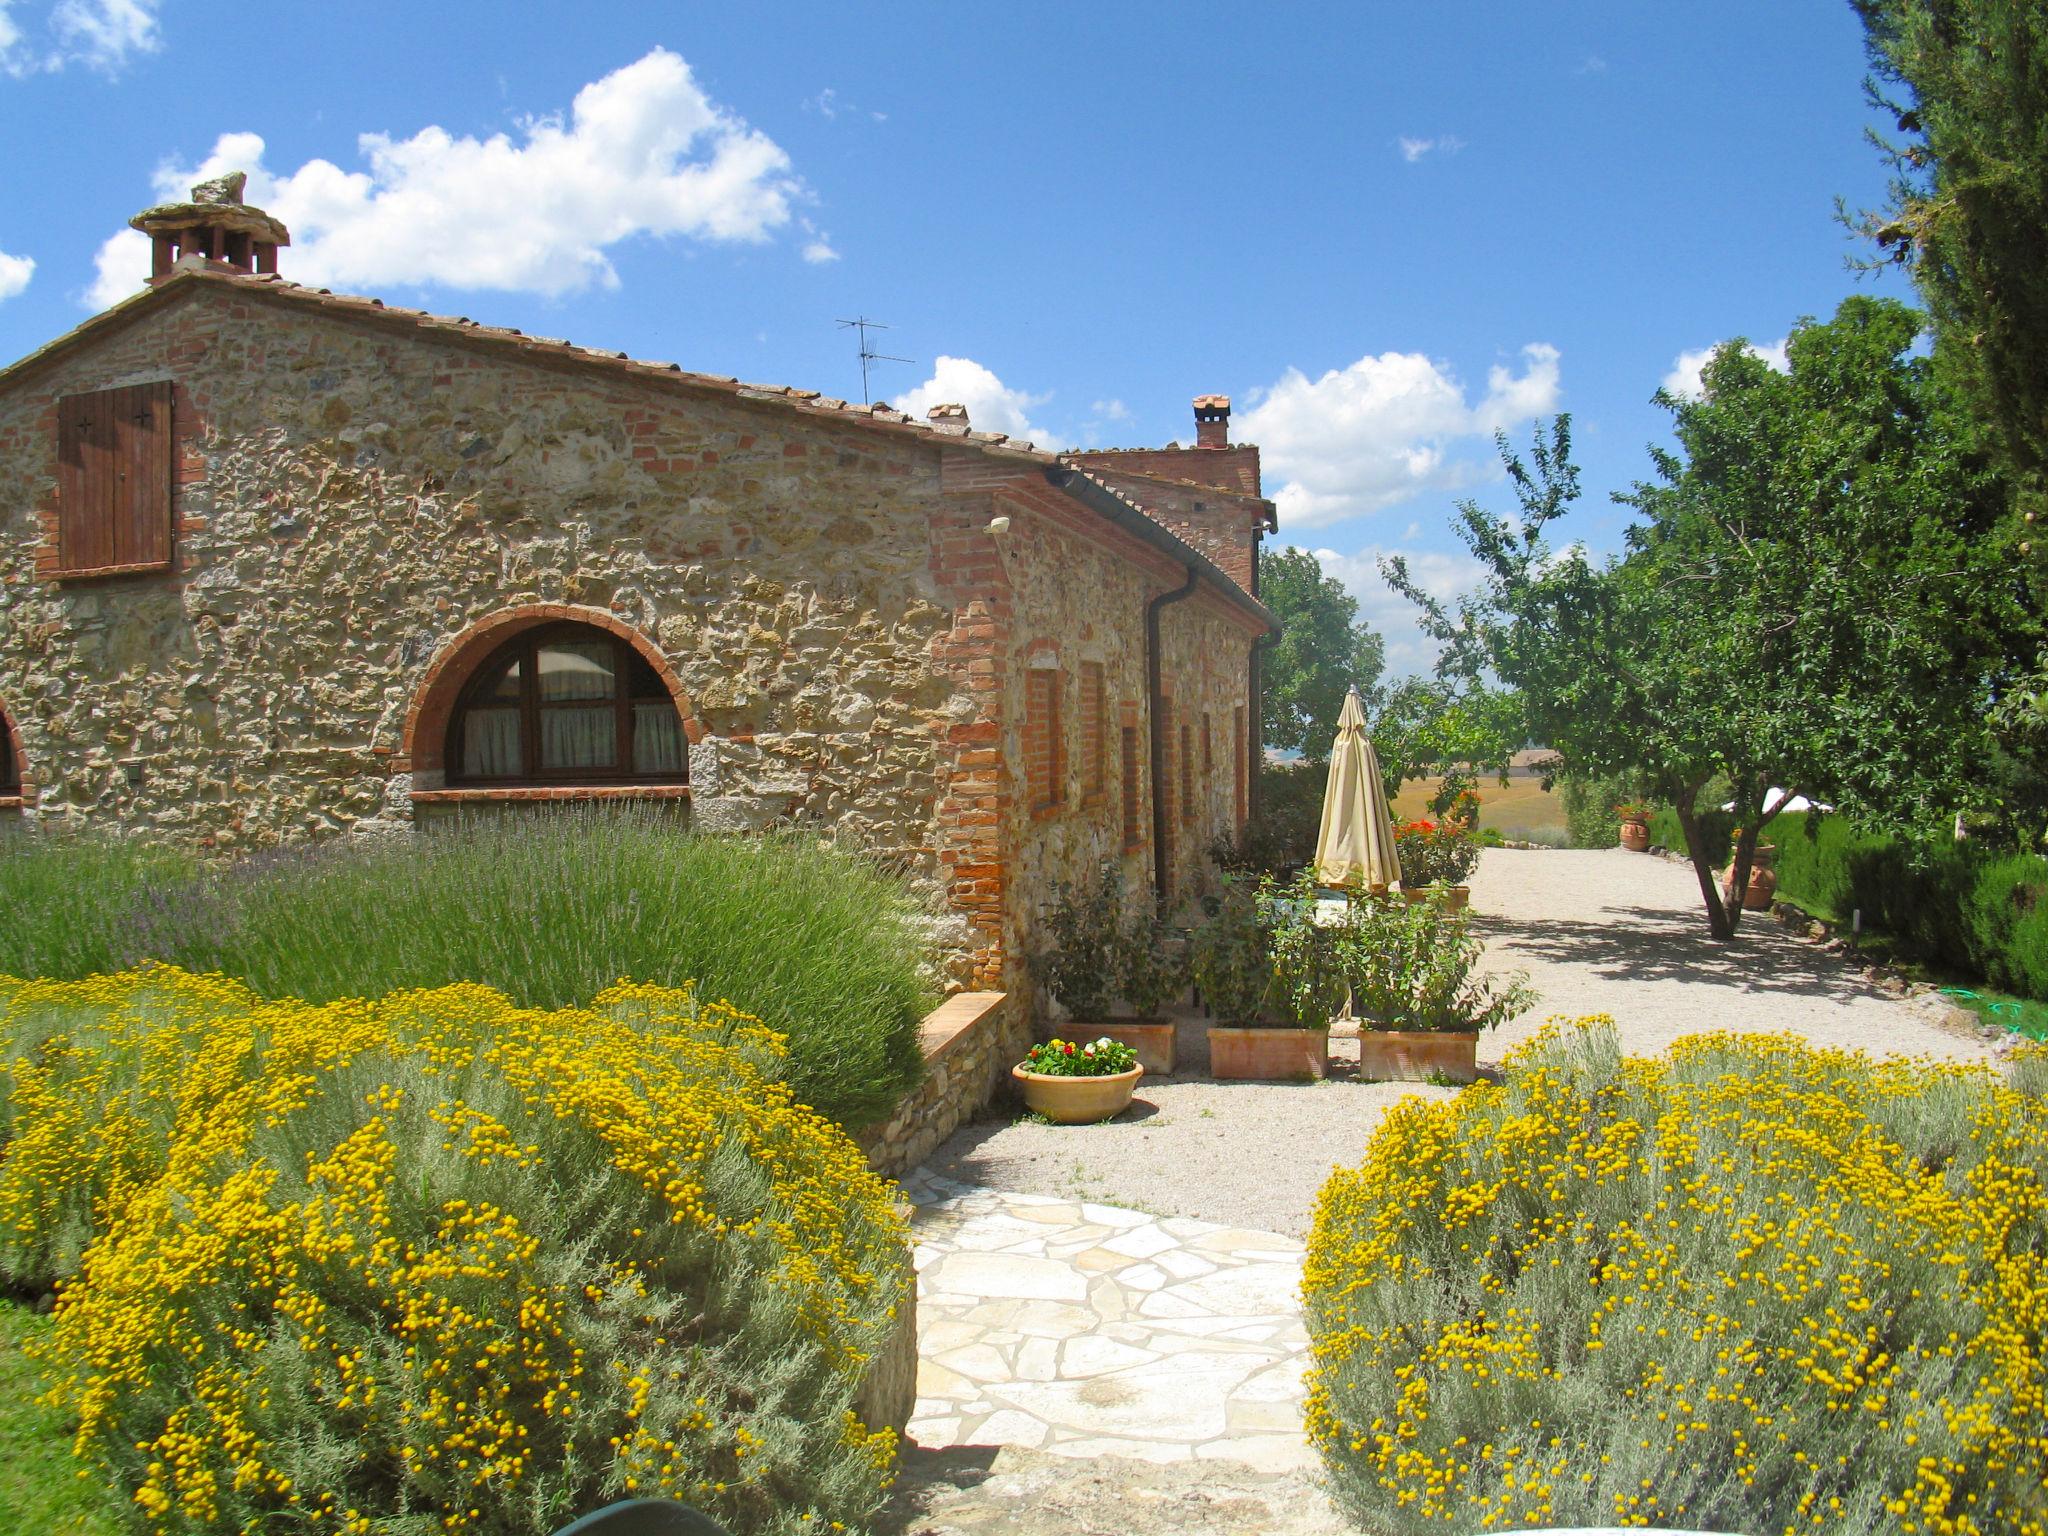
[
  {"x": 1152, "y": 1039},
  {"x": 1077, "y": 1100},
  {"x": 1410, "y": 1056},
  {"x": 1635, "y": 836},
  {"x": 1268, "y": 1055}
]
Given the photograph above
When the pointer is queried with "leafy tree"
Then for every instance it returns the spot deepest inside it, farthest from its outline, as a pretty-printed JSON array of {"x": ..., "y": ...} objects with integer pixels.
[
  {"x": 1819, "y": 596},
  {"x": 1432, "y": 727},
  {"x": 1969, "y": 204},
  {"x": 1968, "y": 218},
  {"x": 1323, "y": 650}
]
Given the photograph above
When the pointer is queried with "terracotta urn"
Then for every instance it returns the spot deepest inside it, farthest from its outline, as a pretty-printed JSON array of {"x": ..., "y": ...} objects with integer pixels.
[
  {"x": 1152, "y": 1039},
  {"x": 1759, "y": 894},
  {"x": 1077, "y": 1100},
  {"x": 1268, "y": 1054},
  {"x": 1412, "y": 1056},
  {"x": 1635, "y": 836}
]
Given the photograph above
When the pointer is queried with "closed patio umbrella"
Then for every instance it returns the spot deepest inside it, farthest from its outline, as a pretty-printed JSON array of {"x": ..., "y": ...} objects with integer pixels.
[{"x": 1357, "y": 838}]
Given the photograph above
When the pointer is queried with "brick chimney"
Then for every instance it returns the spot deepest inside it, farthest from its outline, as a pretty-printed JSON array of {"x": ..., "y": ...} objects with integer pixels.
[
  {"x": 1212, "y": 421},
  {"x": 217, "y": 225}
]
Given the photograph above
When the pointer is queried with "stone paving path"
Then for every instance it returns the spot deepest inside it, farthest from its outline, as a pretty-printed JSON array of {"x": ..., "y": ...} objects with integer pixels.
[{"x": 1084, "y": 1330}]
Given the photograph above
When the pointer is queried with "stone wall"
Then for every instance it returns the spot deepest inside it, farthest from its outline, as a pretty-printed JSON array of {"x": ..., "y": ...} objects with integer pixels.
[
  {"x": 366, "y": 506},
  {"x": 970, "y": 1043},
  {"x": 356, "y": 500}
]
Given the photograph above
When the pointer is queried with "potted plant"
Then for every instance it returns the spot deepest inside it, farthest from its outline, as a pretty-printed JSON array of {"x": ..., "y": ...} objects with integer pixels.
[
  {"x": 1437, "y": 858},
  {"x": 1103, "y": 948},
  {"x": 1269, "y": 971},
  {"x": 1149, "y": 960},
  {"x": 1635, "y": 826},
  {"x": 1419, "y": 1006},
  {"x": 1071, "y": 1083}
]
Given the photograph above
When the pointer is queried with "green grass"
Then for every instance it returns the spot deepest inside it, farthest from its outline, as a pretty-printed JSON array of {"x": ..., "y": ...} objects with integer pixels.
[
  {"x": 820, "y": 944},
  {"x": 39, "y": 1484}
]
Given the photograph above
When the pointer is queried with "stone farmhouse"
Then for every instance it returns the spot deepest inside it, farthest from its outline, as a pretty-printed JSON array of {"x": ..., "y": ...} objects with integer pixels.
[{"x": 283, "y": 564}]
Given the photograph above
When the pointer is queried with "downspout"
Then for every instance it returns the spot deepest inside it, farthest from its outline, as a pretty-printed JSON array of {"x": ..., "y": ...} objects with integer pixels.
[
  {"x": 1153, "y": 680},
  {"x": 1257, "y": 714}
]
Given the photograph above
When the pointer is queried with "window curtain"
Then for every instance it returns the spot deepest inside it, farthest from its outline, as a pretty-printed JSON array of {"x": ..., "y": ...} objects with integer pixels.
[
  {"x": 490, "y": 744},
  {"x": 579, "y": 737},
  {"x": 657, "y": 737}
]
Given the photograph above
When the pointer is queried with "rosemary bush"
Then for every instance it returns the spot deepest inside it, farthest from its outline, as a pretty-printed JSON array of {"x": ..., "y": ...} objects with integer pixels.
[{"x": 548, "y": 909}]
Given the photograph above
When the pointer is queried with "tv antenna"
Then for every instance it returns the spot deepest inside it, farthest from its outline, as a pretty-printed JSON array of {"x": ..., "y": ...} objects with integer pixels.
[{"x": 868, "y": 355}]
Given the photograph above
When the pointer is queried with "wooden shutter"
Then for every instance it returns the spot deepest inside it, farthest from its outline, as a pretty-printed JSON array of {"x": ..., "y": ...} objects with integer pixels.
[{"x": 114, "y": 480}]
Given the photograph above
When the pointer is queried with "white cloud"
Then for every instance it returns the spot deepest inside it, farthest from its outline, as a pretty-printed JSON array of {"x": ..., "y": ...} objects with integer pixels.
[
  {"x": 15, "y": 271},
  {"x": 1684, "y": 378},
  {"x": 643, "y": 151},
  {"x": 1385, "y": 429},
  {"x": 1446, "y": 577},
  {"x": 819, "y": 251},
  {"x": 1593, "y": 65},
  {"x": 1110, "y": 410},
  {"x": 992, "y": 406},
  {"x": 100, "y": 34},
  {"x": 1413, "y": 149}
]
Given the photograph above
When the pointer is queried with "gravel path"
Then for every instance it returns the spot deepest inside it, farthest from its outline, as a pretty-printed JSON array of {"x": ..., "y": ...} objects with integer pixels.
[{"x": 1598, "y": 932}]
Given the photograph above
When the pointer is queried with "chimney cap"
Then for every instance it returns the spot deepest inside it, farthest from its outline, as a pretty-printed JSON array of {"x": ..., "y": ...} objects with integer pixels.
[
  {"x": 950, "y": 412},
  {"x": 1219, "y": 403},
  {"x": 215, "y": 204}
]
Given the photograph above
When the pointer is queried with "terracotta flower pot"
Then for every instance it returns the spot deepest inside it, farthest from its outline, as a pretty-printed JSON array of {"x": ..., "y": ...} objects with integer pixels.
[
  {"x": 1411, "y": 1056},
  {"x": 1417, "y": 896},
  {"x": 1635, "y": 836},
  {"x": 1152, "y": 1039},
  {"x": 1759, "y": 894},
  {"x": 1077, "y": 1100},
  {"x": 1457, "y": 898},
  {"x": 1268, "y": 1055}
]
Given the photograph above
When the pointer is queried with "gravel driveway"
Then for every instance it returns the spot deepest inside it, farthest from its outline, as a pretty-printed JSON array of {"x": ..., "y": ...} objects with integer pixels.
[{"x": 1607, "y": 931}]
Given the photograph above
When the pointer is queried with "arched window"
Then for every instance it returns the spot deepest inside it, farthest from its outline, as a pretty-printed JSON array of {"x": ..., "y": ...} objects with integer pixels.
[{"x": 566, "y": 704}]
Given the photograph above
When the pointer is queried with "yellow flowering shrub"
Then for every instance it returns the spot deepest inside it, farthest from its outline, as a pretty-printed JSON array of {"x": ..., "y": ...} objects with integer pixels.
[
  {"x": 437, "y": 1263},
  {"x": 1756, "y": 1287}
]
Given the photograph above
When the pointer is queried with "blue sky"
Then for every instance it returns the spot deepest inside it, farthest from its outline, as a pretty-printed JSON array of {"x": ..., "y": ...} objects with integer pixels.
[{"x": 1383, "y": 230}]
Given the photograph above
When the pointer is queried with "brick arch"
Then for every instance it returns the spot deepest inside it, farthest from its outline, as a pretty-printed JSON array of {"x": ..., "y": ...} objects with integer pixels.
[
  {"x": 16, "y": 751},
  {"x": 426, "y": 723}
]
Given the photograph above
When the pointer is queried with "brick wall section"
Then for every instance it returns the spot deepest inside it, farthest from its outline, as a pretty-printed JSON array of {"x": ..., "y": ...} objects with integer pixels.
[
  {"x": 1224, "y": 527},
  {"x": 1093, "y": 742},
  {"x": 1235, "y": 468}
]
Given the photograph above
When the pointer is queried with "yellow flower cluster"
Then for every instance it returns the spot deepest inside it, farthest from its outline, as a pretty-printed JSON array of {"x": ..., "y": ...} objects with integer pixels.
[
  {"x": 438, "y": 1254},
  {"x": 1755, "y": 1287}
]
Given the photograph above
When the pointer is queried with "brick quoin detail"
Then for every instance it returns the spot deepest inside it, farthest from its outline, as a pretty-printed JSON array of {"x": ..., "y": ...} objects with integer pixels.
[
  {"x": 426, "y": 723},
  {"x": 1094, "y": 743},
  {"x": 976, "y": 794}
]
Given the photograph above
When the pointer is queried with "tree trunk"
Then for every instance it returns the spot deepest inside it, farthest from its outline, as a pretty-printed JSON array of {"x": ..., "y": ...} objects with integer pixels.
[
  {"x": 1717, "y": 915},
  {"x": 1738, "y": 874}
]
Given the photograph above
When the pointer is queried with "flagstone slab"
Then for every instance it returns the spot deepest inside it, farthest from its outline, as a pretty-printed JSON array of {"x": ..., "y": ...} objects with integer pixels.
[{"x": 1079, "y": 1330}]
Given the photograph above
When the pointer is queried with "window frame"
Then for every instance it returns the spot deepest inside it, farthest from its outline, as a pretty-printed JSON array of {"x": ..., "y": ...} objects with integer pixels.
[
  {"x": 526, "y": 646},
  {"x": 10, "y": 759}
]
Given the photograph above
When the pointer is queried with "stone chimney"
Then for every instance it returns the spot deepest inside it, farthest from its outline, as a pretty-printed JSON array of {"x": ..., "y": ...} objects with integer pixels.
[
  {"x": 217, "y": 225},
  {"x": 950, "y": 414},
  {"x": 1212, "y": 421}
]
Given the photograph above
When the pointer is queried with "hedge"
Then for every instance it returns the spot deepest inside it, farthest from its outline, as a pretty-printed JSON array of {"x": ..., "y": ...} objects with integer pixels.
[
  {"x": 1946, "y": 903},
  {"x": 548, "y": 909}
]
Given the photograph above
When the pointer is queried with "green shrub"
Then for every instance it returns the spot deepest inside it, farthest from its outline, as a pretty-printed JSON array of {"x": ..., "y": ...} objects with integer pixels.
[
  {"x": 2006, "y": 914},
  {"x": 1281, "y": 838},
  {"x": 1589, "y": 816},
  {"x": 1753, "y": 1287},
  {"x": 547, "y": 909},
  {"x": 1717, "y": 832},
  {"x": 437, "y": 1262}
]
